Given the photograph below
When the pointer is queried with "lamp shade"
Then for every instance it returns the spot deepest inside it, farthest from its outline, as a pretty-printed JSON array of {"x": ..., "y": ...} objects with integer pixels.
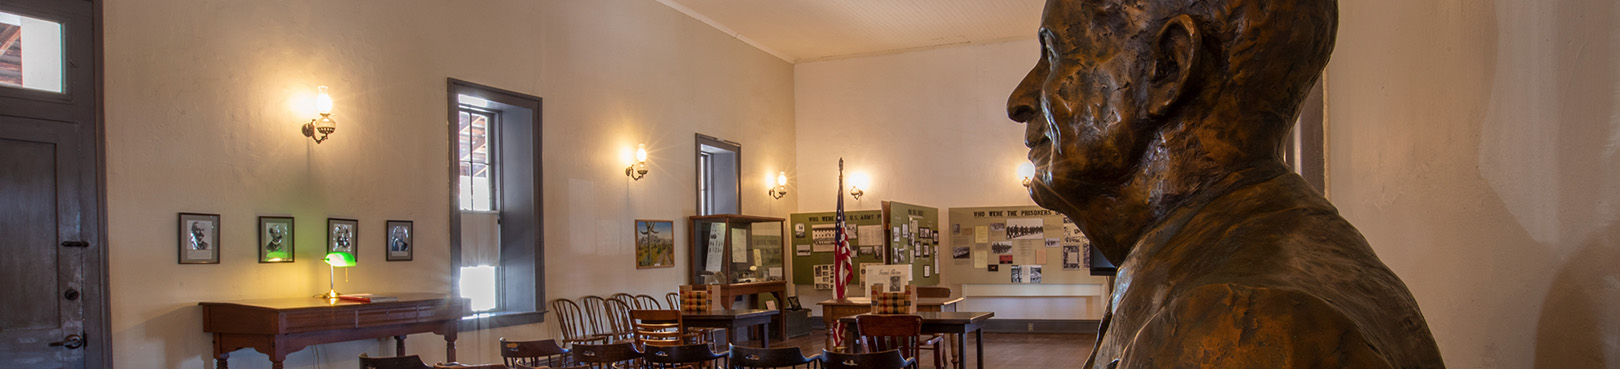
[{"x": 340, "y": 259}]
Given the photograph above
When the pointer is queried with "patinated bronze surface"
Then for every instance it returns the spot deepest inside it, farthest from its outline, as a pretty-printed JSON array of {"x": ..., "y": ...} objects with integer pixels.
[{"x": 1156, "y": 125}]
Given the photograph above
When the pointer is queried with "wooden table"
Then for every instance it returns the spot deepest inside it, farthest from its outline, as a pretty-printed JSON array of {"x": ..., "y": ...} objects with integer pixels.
[
  {"x": 732, "y": 320},
  {"x": 941, "y": 322},
  {"x": 277, "y": 327},
  {"x": 832, "y": 310}
]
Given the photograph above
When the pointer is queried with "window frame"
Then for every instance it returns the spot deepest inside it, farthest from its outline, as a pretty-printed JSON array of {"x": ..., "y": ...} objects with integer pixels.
[
  {"x": 706, "y": 205},
  {"x": 491, "y": 135},
  {"x": 501, "y": 316}
]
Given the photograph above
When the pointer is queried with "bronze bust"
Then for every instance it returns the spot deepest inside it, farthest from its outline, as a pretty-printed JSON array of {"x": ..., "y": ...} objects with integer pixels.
[{"x": 1157, "y": 125}]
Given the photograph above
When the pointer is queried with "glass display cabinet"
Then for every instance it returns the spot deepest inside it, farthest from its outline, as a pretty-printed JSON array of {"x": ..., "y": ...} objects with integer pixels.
[{"x": 741, "y": 253}]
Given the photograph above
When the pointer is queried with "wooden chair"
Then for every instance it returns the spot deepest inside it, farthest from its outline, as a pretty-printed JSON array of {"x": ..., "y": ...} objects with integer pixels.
[
  {"x": 617, "y": 316},
  {"x": 890, "y": 332},
  {"x": 533, "y": 353},
  {"x": 574, "y": 323},
  {"x": 905, "y": 302},
  {"x": 596, "y": 320},
  {"x": 414, "y": 362},
  {"x": 646, "y": 302},
  {"x": 627, "y": 299},
  {"x": 657, "y": 328},
  {"x": 612, "y": 355},
  {"x": 764, "y": 358},
  {"x": 938, "y": 342},
  {"x": 694, "y": 356},
  {"x": 891, "y": 359},
  {"x": 674, "y": 300}
]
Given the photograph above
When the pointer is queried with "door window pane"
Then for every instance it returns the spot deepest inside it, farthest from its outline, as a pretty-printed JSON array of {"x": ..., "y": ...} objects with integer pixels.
[{"x": 30, "y": 53}]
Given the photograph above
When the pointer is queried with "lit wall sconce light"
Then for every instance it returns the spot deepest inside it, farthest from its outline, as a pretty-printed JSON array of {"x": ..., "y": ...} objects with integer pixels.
[
  {"x": 857, "y": 181},
  {"x": 1027, "y": 172},
  {"x": 639, "y": 169},
  {"x": 323, "y": 125},
  {"x": 781, "y": 186}
]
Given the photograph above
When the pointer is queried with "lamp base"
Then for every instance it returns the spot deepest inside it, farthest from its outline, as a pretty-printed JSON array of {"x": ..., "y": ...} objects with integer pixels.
[{"x": 330, "y": 296}]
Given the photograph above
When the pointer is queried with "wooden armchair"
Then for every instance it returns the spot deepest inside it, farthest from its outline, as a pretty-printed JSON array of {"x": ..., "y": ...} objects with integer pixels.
[
  {"x": 905, "y": 302},
  {"x": 574, "y": 323},
  {"x": 767, "y": 358},
  {"x": 415, "y": 362},
  {"x": 518, "y": 354},
  {"x": 693, "y": 356},
  {"x": 613, "y": 355},
  {"x": 657, "y": 328},
  {"x": 891, "y": 359}
]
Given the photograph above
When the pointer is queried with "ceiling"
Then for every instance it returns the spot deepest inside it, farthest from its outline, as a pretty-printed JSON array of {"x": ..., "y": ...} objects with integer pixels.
[{"x": 811, "y": 30}]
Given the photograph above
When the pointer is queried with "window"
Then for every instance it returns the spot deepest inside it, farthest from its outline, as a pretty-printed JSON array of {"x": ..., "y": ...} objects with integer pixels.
[
  {"x": 1303, "y": 150},
  {"x": 718, "y": 176},
  {"x": 497, "y": 242}
]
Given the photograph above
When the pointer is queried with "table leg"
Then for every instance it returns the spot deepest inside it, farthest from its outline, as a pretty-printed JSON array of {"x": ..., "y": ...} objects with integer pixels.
[
  {"x": 276, "y": 364},
  {"x": 221, "y": 361},
  {"x": 978, "y": 338},
  {"x": 450, "y": 346},
  {"x": 399, "y": 345},
  {"x": 765, "y": 334},
  {"x": 961, "y": 351}
]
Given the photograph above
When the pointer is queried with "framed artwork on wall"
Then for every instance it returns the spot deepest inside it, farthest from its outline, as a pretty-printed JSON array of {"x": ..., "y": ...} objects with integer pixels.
[
  {"x": 276, "y": 239},
  {"x": 199, "y": 238},
  {"x": 655, "y": 244},
  {"x": 401, "y": 241},
  {"x": 343, "y": 235}
]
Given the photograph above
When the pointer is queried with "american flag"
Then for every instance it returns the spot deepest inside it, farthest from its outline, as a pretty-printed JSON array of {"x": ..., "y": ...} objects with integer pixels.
[{"x": 842, "y": 270}]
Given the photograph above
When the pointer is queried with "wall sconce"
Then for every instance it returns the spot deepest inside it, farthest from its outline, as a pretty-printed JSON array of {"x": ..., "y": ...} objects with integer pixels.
[
  {"x": 333, "y": 261},
  {"x": 323, "y": 125},
  {"x": 1026, "y": 171},
  {"x": 857, "y": 181},
  {"x": 781, "y": 186},
  {"x": 639, "y": 169}
]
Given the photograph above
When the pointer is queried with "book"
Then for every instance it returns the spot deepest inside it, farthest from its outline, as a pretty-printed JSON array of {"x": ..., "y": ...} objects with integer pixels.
[{"x": 366, "y": 298}]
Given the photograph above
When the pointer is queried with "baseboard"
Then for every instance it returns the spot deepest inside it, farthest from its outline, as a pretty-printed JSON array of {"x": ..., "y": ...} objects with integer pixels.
[{"x": 997, "y": 325}]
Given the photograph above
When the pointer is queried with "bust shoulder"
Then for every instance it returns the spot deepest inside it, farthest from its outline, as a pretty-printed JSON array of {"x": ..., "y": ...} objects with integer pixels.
[{"x": 1244, "y": 326}]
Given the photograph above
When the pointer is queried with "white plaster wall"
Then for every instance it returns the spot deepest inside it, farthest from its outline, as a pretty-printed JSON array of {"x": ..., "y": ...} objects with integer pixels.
[
  {"x": 1475, "y": 144},
  {"x": 930, "y": 128},
  {"x": 204, "y": 100}
]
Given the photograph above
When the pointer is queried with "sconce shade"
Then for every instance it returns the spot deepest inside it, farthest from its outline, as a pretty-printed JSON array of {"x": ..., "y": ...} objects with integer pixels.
[{"x": 340, "y": 259}]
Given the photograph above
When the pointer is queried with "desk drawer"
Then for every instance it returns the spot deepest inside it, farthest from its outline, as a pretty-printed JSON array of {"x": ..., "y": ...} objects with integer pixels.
[
  {"x": 391, "y": 315},
  {"x": 320, "y": 319}
]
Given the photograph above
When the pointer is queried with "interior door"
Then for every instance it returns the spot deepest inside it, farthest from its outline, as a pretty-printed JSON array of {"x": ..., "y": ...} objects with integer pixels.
[{"x": 52, "y": 257}]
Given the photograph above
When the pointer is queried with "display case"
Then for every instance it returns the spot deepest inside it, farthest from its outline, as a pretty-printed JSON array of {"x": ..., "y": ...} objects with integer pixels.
[{"x": 741, "y": 253}]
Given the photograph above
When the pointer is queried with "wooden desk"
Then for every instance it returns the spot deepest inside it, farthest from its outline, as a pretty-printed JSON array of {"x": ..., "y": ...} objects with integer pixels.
[
  {"x": 938, "y": 322},
  {"x": 832, "y": 310},
  {"x": 277, "y": 327},
  {"x": 732, "y": 320}
]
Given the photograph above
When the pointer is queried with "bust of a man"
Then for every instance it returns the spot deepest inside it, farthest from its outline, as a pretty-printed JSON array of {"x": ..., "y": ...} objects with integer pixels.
[{"x": 1157, "y": 126}]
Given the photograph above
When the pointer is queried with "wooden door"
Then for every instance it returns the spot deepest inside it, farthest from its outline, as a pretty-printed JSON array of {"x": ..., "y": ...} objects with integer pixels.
[{"x": 52, "y": 258}]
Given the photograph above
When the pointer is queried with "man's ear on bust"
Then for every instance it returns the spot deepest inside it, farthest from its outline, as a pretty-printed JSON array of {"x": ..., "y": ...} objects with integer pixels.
[{"x": 1174, "y": 53}]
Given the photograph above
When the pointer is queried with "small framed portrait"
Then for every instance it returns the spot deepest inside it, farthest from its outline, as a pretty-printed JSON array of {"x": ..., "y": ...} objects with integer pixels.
[
  {"x": 655, "y": 244},
  {"x": 276, "y": 239},
  {"x": 401, "y": 241},
  {"x": 199, "y": 238},
  {"x": 343, "y": 235}
]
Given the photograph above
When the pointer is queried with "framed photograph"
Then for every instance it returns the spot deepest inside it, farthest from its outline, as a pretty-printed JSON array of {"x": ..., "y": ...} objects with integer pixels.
[
  {"x": 343, "y": 235},
  {"x": 401, "y": 241},
  {"x": 276, "y": 239},
  {"x": 199, "y": 238},
  {"x": 655, "y": 244}
]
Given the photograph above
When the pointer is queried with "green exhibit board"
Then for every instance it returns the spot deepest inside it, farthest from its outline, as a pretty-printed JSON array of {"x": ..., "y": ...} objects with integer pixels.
[
  {"x": 914, "y": 239},
  {"x": 811, "y": 243}
]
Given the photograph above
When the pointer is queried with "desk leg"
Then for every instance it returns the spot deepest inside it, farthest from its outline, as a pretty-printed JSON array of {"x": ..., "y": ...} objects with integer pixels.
[
  {"x": 765, "y": 334},
  {"x": 978, "y": 337},
  {"x": 221, "y": 361},
  {"x": 961, "y": 351},
  {"x": 399, "y": 345},
  {"x": 450, "y": 344},
  {"x": 276, "y": 364}
]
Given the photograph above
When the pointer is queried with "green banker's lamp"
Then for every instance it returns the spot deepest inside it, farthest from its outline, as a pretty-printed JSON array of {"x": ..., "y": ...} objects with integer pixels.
[{"x": 335, "y": 260}]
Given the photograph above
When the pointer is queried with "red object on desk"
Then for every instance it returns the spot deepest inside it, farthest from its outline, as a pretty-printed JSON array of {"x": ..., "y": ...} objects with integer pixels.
[{"x": 359, "y": 299}]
